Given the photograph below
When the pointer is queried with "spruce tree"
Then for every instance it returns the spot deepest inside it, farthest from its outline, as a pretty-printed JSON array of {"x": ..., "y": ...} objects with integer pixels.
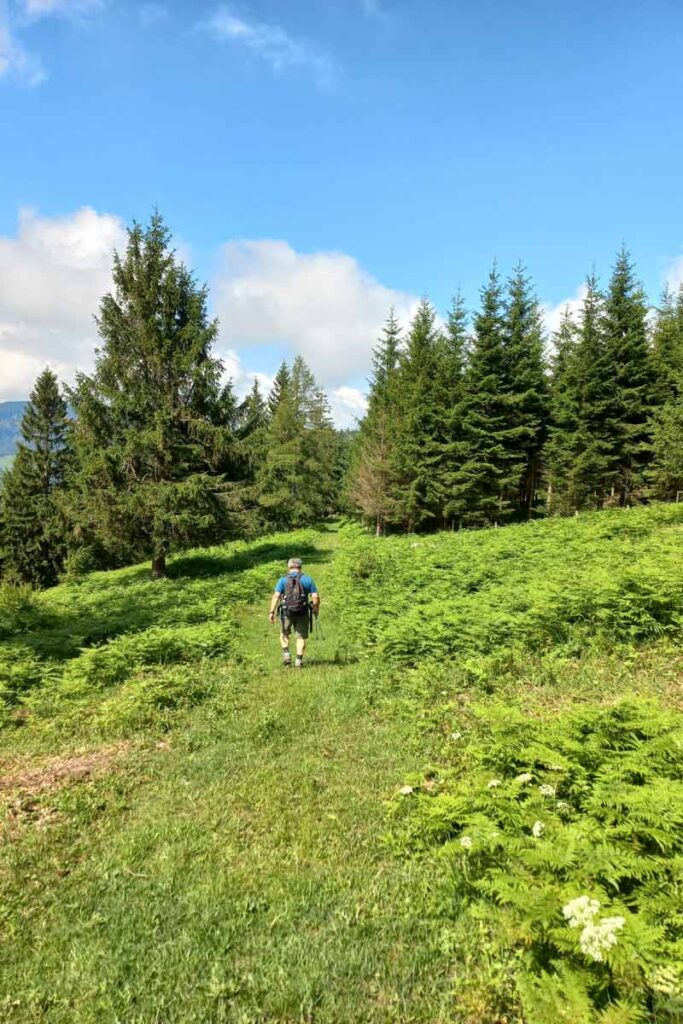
[
  {"x": 416, "y": 453},
  {"x": 297, "y": 481},
  {"x": 667, "y": 343},
  {"x": 630, "y": 377},
  {"x": 667, "y": 443},
  {"x": 371, "y": 484},
  {"x": 323, "y": 457},
  {"x": 279, "y": 389},
  {"x": 560, "y": 452},
  {"x": 450, "y": 377},
  {"x": 252, "y": 419},
  {"x": 482, "y": 480},
  {"x": 34, "y": 531},
  {"x": 527, "y": 392},
  {"x": 592, "y": 444},
  {"x": 153, "y": 426},
  {"x": 279, "y": 489},
  {"x": 385, "y": 360}
]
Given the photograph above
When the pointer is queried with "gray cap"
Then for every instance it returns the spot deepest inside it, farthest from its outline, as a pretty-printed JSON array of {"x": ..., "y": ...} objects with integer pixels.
[{"x": 294, "y": 563}]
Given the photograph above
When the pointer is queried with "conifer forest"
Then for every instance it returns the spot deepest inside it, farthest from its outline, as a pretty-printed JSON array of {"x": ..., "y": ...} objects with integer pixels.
[{"x": 479, "y": 419}]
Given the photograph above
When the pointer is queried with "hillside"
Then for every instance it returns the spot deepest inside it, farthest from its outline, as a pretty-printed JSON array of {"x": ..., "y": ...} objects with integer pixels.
[
  {"x": 490, "y": 729},
  {"x": 10, "y": 421}
]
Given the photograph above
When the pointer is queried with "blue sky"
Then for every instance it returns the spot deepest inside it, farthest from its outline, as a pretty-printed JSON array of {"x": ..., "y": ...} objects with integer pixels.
[{"x": 319, "y": 160}]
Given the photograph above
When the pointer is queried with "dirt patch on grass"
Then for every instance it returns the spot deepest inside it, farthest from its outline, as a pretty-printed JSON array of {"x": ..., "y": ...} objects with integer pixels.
[{"x": 55, "y": 772}]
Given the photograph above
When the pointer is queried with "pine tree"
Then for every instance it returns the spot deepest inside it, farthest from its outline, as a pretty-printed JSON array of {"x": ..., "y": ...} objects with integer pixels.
[
  {"x": 323, "y": 457},
  {"x": 294, "y": 480},
  {"x": 450, "y": 380},
  {"x": 565, "y": 415},
  {"x": 371, "y": 475},
  {"x": 527, "y": 391},
  {"x": 630, "y": 376},
  {"x": 416, "y": 452},
  {"x": 385, "y": 360},
  {"x": 280, "y": 493},
  {"x": 667, "y": 466},
  {"x": 34, "y": 532},
  {"x": 667, "y": 343},
  {"x": 279, "y": 389},
  {"x": 252, "y": 420},
  {"x": 483, "y": 477},
  {"x": 153, "y": 431},
  {"x": 592, "y": 444}
]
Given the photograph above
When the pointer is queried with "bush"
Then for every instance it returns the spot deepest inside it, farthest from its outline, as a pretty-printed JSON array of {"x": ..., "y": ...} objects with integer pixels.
[
  {"x": 20, "y": 670},
  {"x": 566, "y": 842},
  {"x": 151, "y": 699},
  {"x": 104, "y": 666},
  {"x": 17, "y": 609}
]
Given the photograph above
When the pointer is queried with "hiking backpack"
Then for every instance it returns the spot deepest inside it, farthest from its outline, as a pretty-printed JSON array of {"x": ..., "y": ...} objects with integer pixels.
[{"x": 294, "y": 599}]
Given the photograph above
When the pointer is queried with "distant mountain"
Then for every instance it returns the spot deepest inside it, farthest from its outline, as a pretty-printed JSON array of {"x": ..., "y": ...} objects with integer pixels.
[{"x": 10, "y": 419}]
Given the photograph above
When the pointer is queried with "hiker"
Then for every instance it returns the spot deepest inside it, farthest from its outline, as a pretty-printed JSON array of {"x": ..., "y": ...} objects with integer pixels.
[{"x": 291, "y": 596}]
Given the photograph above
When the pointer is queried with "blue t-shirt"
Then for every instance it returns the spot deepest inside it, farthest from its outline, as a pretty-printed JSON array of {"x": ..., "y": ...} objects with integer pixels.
[{"x": 306, "y": 582}]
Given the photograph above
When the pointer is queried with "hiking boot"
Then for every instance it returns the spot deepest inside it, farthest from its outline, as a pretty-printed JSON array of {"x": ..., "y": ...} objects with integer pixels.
[
  {"x": 286, "y": 660},
  {"x": 299, "y": 663}
]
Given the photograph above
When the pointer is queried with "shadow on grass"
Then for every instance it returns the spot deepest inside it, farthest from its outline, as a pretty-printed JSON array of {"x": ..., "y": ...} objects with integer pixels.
[
  {"x": 117, "y": 607},
  {"x": 213, "y": 563}
]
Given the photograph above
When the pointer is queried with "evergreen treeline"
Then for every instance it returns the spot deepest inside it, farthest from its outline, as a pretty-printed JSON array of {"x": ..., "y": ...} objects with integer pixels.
[
  {"x": 469, "y": 426},
  {"x": 155, "y": 453}
]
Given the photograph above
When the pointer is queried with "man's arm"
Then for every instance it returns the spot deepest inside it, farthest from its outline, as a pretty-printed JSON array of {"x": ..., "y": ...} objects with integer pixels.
[
  {"x": 274, "y": 604},
  {"x": 315, "y": 599}
]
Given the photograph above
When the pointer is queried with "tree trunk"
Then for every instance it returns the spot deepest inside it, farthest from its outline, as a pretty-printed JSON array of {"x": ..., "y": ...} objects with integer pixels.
[{"x": 159, "y": 567}]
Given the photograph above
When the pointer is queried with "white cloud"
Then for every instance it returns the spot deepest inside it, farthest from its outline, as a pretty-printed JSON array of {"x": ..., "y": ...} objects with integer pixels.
[
  {"x": 52, "y": 276},
  {"x": 552, "y": 314},
  {"x": 272, "y": 44},
  {"x": 42, "y": 8},
  {"x": 54, "y": 271},
  {"x": 15, "y": 62},
  {"x": 242, "y": 380},
  {"x": 348, "y": 406},
  {"x": 322, "y": 305},
  {"x": 674, "y": 275}
]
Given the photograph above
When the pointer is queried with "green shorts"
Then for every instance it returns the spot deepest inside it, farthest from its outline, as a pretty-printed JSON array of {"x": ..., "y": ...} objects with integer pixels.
[{"x": 299, "y": 623}]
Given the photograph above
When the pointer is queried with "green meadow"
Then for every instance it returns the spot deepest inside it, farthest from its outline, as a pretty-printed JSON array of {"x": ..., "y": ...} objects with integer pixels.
[{"x": 487, "y": 730}]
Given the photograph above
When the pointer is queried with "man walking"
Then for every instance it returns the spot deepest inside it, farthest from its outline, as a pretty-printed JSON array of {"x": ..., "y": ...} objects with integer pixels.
[{"x": 291, "y": 596}]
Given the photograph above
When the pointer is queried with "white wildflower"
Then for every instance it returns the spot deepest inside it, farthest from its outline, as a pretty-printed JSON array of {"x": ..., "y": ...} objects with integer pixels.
[
  {"x": 406, "y": 790},
  {"x": 580, "y": 911},
  {"x": 455, "y": 736},
  {"x": 563, "y": 807},
  {"x": 546, "y": 790},
  {"x": 555, "y": 768},
  {"x": 524, "y": 777},
  {"x": 466, "y": 842},
  {"x": 597, "y": 939},
  {"x": 493, "y": 783},
  {"x": 537, "y": 829}
]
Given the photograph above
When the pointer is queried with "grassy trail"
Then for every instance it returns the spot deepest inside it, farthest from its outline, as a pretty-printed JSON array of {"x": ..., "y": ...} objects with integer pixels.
[{"x": 237, "y": 871}]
